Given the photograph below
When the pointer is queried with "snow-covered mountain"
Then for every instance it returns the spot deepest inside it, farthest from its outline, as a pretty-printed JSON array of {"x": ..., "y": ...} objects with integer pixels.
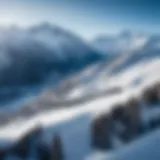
[
  {"x": 80, "y": 109},
  {"x": 106, "y": 106},
  {"x": 29, "y": 56},
  {"x": 124, "y": 42},
  {"x": 39, "y": 49}
]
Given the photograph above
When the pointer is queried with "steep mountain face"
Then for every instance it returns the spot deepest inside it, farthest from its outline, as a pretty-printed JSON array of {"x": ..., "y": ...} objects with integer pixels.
[
  {"x": 32, "y": 53},
  {"x": 30, "y": 56},
  {"x": 69, "y": 49}
]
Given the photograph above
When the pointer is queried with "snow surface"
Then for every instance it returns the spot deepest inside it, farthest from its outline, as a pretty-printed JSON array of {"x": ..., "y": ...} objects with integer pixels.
[
  {"x": 145, "y": 148},
  {"x": 73, "y": 123}
]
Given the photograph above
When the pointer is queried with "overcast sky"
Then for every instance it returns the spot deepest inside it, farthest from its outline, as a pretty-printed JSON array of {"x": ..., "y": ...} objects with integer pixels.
[{"x": 86, "y": 18}]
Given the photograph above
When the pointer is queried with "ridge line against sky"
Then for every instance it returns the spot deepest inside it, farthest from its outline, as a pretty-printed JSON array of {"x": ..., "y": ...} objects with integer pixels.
[{"x": 86, "y": 18}]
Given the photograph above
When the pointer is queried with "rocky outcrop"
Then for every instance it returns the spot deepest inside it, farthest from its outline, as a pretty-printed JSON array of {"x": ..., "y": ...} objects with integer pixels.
[
  {"x": 32, "y": 144},
  {"x": 29, "y": 141},
  {"x": 100, "y": 132},
  {"x": 24, "y": 146},
  {"x": 126, "y": 120},
  {"x": 118, "y": 113},
  {"x": 43, "y": 152},
  {"x": 2, "y": 154},
  {"x": 57, "y": 149},
  {"x": 154, "y": 123},
  {"x": 133, "y": 117},
  {"x": 151, "y": 95}
]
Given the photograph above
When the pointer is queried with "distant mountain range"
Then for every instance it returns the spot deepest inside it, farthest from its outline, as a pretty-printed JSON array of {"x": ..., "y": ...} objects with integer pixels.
[{"x": 125, "y": 42}]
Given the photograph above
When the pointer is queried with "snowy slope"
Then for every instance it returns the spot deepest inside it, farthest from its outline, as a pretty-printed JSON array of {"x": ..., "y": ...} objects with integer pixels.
[
  {"x": 145, "y": 148},
  {"x": 73, "y": 121},
  {"x": 69, "y": 109},
  {"x": 76, "y": 92}
]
